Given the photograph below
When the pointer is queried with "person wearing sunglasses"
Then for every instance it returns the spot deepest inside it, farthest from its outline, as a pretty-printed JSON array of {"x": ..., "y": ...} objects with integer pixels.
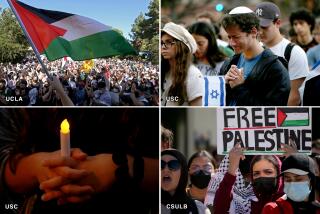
[
  {"x": 182, "y": 82},
  {"x": 174, "y": 178}
]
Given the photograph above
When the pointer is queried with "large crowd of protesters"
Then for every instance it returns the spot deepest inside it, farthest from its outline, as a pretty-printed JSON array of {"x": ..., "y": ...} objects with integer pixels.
[
  {"x": 98, "y": 82},
  {"x": 243, "y": 45}
]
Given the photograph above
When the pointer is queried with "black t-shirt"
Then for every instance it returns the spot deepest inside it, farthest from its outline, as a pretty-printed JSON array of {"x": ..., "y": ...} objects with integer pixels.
[{"x": 307, "y": 46}]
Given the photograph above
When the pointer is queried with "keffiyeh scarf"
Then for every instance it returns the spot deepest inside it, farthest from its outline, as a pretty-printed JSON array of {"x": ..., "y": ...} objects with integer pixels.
[{"x": 242, "y": 195}]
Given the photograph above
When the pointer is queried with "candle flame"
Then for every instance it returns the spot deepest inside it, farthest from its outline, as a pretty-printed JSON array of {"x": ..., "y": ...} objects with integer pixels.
[{"x": 65, "y": 128}]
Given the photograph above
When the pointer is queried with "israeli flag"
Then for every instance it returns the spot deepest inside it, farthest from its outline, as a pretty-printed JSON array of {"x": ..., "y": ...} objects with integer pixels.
[{"x": 214, "y": 91}]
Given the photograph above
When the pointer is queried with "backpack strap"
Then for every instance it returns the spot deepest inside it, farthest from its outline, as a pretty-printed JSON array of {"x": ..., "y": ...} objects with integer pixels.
[
  {"x": 284, "y": 62},
  {"x": 280, "y": 207},
  {"x": 287, "y": 52}
]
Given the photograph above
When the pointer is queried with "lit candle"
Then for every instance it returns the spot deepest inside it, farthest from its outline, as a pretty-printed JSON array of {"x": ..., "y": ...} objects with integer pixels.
[{"x": 65, "y": 138}]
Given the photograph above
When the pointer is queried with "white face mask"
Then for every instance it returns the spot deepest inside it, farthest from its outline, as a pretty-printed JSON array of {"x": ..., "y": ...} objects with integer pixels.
[{"x": 297, "y": 191}]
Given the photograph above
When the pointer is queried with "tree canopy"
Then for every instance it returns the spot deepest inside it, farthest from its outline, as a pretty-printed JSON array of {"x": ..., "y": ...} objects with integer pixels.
[
  {"x": 145, "y": 31},
  {"x": 13, "y": 44}
]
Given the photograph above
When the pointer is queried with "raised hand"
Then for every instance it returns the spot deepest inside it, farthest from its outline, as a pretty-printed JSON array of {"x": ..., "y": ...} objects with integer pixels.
[
  {"x": 235, "y": 154},
  {"x": 290, "y": 148}
]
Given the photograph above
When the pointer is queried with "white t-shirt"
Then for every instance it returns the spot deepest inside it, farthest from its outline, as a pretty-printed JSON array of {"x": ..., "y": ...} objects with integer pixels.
[
  {"x": 298, "y": 63},
  {"x": 207, "y": 70},
  {"x": 194, "y": 86}
]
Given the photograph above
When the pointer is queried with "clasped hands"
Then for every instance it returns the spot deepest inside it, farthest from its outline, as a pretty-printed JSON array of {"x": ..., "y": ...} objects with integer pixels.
[
  {"x": 234, "y": 76},
  {"x": 62, "y": 179}
]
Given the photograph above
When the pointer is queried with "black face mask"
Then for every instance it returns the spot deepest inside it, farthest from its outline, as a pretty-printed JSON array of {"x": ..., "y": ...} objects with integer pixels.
[
  {"x": 265, "y": 185},
  {"x": 200, "y": 179}
]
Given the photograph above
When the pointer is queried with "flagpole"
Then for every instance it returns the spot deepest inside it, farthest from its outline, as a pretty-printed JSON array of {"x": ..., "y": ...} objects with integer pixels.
[{"x": 29, "y": 39}]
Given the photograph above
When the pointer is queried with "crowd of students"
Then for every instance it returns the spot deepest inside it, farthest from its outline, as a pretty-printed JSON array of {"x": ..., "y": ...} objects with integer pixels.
[
  {"x": 262, "y": 66},
  {"x": 103, "y": 82},
  {"x": 239, "y": 183}
]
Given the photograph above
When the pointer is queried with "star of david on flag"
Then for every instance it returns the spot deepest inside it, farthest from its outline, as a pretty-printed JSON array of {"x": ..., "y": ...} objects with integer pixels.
[{"x": 214, "y": 91}]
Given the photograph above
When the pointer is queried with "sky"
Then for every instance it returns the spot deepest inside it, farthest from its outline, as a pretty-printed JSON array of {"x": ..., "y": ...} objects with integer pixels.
[{"x": 119, "y": 14}]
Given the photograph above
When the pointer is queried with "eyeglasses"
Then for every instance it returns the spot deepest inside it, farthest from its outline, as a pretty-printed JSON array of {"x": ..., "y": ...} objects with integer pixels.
[
  {"x": 173, "y": 165},
  {"x": 167, "y": 45}
]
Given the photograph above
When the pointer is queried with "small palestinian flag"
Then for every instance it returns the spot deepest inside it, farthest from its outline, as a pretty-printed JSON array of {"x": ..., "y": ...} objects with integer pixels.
[
  {"x": 58, "y": 34},
  {"x": 293, "y": 117}
]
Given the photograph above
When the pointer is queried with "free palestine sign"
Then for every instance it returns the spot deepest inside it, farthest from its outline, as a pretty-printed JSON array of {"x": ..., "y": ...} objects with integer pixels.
[{"x": 262, "y": 130}]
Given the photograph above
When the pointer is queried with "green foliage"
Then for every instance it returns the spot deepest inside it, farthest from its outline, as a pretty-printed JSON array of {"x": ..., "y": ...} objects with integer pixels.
[
  {"x": 13, "y": 44},
  {"x": 145, "y": 31},
  {"x": 119, "y": 31}
]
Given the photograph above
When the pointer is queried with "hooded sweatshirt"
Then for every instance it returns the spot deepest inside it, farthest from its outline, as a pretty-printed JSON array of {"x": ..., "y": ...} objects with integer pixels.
[{"x": 180, "y": 196}]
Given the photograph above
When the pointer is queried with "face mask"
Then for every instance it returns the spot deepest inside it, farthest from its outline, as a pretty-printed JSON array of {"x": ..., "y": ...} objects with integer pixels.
[
  {"x": 200, "y": 179},
  {"x": 265, "y": 185},
  {"x": 297, "y": 191}
]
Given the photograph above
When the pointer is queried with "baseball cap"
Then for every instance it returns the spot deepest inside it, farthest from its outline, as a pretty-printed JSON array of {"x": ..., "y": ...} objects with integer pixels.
[
  {"x": 181, "y": 34},
  {"x": 299, "y": 164},
  {"x": 267, "y": 12}
]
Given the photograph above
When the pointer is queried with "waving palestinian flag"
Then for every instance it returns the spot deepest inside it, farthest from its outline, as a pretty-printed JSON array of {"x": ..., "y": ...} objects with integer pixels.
[{"x": 58, "y": 34}]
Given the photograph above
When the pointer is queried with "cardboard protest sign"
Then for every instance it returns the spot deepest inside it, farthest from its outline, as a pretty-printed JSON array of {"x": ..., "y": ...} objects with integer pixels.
[{"x": 262, "y": 130}]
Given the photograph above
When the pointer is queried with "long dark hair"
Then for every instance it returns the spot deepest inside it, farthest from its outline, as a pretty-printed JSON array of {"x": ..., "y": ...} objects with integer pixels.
[
  {"x": 179, "y": 74},
  {"x": 213, "y": 54}
]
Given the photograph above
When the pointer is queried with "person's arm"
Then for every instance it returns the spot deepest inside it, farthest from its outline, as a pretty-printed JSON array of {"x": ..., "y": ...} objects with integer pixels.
[
  {"x": 123, "y": 88},
  {"x": 223, "y": 196},
  {"x": 135, "y": 101},
  {"x": 196, "y": 102},
  {"x": 65, "y": 99},
  {"x": 46, "y": 97},
  {"x": 30, "y": 171},
  {"x": 294, "y": 96},
  {"x": 102, "y": 174},
  {"x": 298, "y": 71},
  {"x": 194, "y": 87}
]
